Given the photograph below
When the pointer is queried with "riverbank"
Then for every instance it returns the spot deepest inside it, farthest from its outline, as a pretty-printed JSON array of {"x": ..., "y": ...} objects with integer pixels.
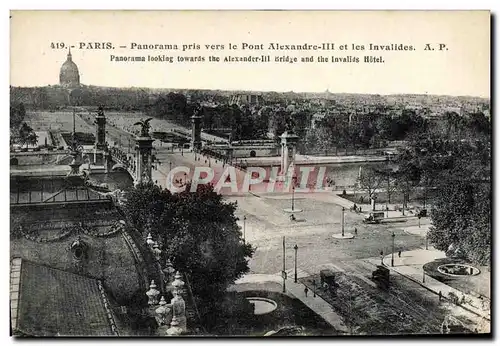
[{"x": 312, "y": 160}]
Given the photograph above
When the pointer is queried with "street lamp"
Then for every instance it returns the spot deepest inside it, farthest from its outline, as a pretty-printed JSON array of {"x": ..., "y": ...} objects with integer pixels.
[
  {"x": 244, "y": 229},
  {"x": 314, "y": 288},
  {"x": 295, "y": 276},
  {"x": 427, "y": 240},
  {"x": 343, "y": 210},
  {"x": 283, "y": 273},
  {"x": 293, "y": 197},
  {"x": 392, "y": 257}
]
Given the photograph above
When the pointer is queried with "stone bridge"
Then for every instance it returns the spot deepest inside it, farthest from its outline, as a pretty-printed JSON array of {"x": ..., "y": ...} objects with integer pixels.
[{"x": 120, "y": 160}]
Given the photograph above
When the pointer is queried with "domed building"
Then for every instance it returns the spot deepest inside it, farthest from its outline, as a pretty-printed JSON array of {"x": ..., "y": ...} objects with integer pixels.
[{"x": 69, "y": 76}]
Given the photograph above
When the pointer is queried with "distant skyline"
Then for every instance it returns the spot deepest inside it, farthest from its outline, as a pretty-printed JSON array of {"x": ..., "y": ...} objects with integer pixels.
[
  {"x": 256, "y": 91},
  {"x": 462, "y": 71}
]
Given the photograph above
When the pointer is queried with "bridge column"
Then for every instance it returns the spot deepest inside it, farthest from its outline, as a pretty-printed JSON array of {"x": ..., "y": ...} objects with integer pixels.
[
  {"x": 229, "y": 154},
  {"x": 143, "y": 160},
  {"x": 196, "y": 131},
  {"x": 288, "y": 143},
  {"x": 100, "y": 138}
]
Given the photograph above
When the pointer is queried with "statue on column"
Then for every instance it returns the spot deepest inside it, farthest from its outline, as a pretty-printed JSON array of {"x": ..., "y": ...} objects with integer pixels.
[
  {"x": 100, "y": 111},
  {"x": 144, "y": 127},
  {"x": 289, "y": 124},
  {"x": 198, "y": 110}
]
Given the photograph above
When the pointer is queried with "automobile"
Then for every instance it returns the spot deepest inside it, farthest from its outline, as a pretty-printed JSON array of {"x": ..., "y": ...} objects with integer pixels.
[
  {"x": 374, "y": 217},
  {"x": 421, "y": 212}
]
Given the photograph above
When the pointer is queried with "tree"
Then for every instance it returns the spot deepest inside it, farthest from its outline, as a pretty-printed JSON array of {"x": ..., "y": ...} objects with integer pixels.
[
  {"x": 387, "y": 175},
  {"x": 370, "y": 180},
  {"x": 27, "y": 135},
  {"x": 17, "y": 114},
  {"x": 199, "y": 233},
  {"x": 460, "y": 172},
  {"x": 461, "y": 215}
]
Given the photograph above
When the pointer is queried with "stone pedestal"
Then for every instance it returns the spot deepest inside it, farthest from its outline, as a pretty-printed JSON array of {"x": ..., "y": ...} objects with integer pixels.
[{"x": 105, "y": 158}]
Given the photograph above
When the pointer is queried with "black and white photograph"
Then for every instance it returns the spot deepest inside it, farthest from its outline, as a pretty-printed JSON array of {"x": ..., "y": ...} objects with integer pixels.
[{"x": 250, "y": 173}]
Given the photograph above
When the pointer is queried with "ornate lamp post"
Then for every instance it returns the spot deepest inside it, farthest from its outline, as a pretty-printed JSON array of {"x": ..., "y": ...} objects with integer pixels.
[
  {"x": 295, "y": 276},
  {"x": 152, "y": 294},
  {"x": 174, "y": 329},
  {"x": 149, "y": 241},
  {"x": 392, "y": 258},
  {"x": 178, "y": 324},
  {"x": 178, "y": 284},
  {"x": 162, "y": 311},
  {"x": 244, "y": 229},
  {"x": 283, "y": 273},
  {"x": 156, "y": 251},
  {"x": 168, "y": 271},
  {"x": 343, "y": 210}
]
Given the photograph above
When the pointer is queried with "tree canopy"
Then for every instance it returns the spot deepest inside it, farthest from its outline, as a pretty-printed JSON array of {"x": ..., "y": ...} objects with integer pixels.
[
  {"x": 459, "y": 168},
  {"x": 198, "y": 232}
]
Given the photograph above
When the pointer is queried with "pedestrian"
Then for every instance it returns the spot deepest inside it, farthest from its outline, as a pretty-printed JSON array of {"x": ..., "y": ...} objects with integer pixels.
[
  {"x": 360, "y": 209},
  {"x": 399, "y": 253},
  {"x": 306, "y": 290},
  {"x": 355, "y": 231},
  {"x": 440, "y": 295}
]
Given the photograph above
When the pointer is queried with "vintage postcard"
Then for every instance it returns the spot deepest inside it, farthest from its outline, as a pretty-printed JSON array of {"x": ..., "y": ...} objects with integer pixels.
[{"x": 250, "y": 173}]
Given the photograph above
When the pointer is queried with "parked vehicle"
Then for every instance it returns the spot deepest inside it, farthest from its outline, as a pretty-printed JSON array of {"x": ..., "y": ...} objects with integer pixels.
[
  {"x": 421, "y": 212},
  {"x": 381, "y": 277},
  {"x": 374, "y": 217}
]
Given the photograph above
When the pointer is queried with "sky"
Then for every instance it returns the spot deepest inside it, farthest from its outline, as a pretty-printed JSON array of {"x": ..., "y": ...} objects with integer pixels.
[{"x": 462, "y": 68}]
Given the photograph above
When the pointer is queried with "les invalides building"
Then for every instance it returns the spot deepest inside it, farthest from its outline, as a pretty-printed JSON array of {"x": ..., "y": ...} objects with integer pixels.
[{"x": 69, "y": 77}]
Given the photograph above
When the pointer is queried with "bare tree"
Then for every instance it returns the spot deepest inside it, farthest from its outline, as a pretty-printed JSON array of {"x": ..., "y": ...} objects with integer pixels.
[{"x": 370, "y": 180}]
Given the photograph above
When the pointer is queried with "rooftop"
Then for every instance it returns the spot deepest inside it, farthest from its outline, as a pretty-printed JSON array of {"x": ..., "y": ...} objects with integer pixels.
[{"x": 51, "y": 302}]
